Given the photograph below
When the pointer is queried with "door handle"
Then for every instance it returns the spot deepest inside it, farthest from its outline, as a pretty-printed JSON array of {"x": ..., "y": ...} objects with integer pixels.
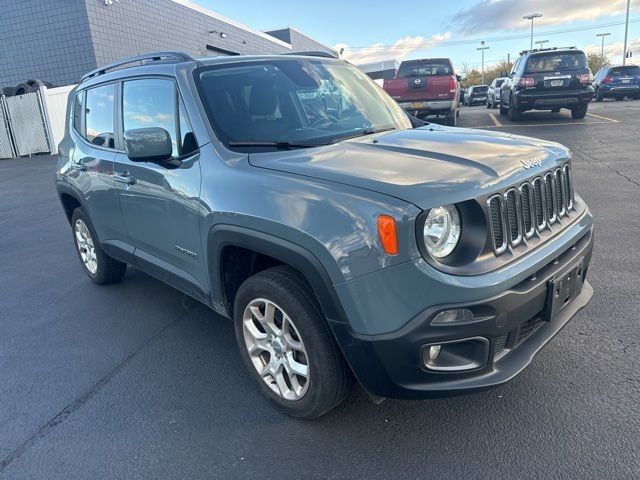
[{"x": 124, "y": 178}]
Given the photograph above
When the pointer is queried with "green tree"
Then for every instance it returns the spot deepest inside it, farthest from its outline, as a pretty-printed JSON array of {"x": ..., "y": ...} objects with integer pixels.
[{"x": 597, "y": 61}]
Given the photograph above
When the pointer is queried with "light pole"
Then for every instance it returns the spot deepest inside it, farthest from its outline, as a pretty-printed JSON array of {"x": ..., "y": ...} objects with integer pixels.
[
  {"x": 626, "y": 33},
  {"x": 602, "y": 35},
  {"x": 482, "y": 48},
  {"x": 531, "y": 17},
  {"x": 541, "y": 43}
]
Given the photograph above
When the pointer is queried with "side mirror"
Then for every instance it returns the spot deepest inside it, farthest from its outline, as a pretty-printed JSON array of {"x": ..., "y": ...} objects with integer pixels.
[
  {"x": 503, "y": 73},
  {"x": 459, "y": 78},
  {"x": 151, "y": 144}
]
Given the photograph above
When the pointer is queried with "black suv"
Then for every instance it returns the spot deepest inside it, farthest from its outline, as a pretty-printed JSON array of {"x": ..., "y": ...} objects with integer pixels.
[{"x": 548, "y": 79}]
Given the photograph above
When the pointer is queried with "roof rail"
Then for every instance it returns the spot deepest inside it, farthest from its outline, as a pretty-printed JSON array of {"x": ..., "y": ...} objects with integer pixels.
[
  {"x": 313, "y": 53},
  {"x": 152, "y": 57},
  {"x": 549, "y": 49}
]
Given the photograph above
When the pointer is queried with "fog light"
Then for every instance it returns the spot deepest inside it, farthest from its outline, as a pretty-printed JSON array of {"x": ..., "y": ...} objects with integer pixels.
[
  {"x": 434, "y": 351},
  {"x": 459, "y": 315}
]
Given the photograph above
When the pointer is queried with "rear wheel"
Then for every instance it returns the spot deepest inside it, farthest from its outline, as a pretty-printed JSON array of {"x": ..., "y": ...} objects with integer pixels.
[
  {"x": 99, "y": 266},
  {"x": 503, "y": 110},
  {"x": 451, "y": 120},
  {"x": 514, "y": 114},
  {"x": 286, "y": 344},
  {"x": 579, "y": 113}
]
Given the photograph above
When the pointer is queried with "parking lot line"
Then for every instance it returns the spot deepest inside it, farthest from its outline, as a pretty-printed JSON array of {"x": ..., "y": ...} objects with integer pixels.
[
  {"x": 495, "y": 120},
  {"x": 545, "y": 124},
  {"x": 604, "y": 118}
]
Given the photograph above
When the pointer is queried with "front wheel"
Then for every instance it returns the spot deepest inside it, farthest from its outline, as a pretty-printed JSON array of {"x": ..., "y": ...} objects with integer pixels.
[
  {"x": 580, "y": 112},
  {"x": 99, "y": 266},
  {"x": 286, "y": 344}
]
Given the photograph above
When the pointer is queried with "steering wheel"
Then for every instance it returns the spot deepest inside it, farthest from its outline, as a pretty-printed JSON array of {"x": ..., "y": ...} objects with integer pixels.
[{"x": 323, "y": 121}]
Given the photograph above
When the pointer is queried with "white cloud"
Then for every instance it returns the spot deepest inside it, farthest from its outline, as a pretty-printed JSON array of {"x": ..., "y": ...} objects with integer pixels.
[
  {"x": 614, "y": 50},
  {"x": 399, "y": 50},
  {"x": 492, "y": 15}
]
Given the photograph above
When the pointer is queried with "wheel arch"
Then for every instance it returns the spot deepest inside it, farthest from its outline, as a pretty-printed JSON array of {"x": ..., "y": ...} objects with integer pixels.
[
  {"x": 223, "y": 237},
  {"x": 69, "y": 199}
]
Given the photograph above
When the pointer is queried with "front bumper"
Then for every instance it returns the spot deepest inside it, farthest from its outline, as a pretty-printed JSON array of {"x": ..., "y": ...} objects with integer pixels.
[
  {"x": 544, "y": 100},
  {"x": 391, "y": 365}
]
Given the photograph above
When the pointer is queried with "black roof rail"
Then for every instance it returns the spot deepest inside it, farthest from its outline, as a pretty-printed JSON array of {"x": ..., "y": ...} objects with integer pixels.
[
  {"x": 152, "y": 57},
  {"x": 549, "y": 49},
  {"x": 313, "y": 53}
]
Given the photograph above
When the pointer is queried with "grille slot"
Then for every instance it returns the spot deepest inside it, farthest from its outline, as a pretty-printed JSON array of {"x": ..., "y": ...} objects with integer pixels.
[
  {"x": 561, "y": 204},
  {"x": 512, "y": 202},
  {"x": 528, "y": 210},
  {"x": 516, "y": 215},
  {"x": 540, "y": 201},
  {"x": 550, "y": 204},
  {"x": 497, "y": 223}
]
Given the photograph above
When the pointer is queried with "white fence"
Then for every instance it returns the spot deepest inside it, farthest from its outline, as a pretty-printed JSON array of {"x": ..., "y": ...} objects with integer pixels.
[{"x": 34, "y": 122}]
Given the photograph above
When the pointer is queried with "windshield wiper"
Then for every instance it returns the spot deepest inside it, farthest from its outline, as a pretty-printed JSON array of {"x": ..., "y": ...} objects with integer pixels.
[
  {"x": 368, "y": 131},
  {"x": 270, "y": 143}
]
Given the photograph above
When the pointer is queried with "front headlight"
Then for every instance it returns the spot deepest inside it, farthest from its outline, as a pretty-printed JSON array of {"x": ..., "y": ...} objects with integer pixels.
[{"x": 441, "y": 230}]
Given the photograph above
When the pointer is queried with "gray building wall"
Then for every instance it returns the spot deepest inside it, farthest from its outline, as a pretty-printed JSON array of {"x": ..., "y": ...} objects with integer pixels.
[
  {"x": 48, "y": 40},
  {"x": 60, "y": 40}
]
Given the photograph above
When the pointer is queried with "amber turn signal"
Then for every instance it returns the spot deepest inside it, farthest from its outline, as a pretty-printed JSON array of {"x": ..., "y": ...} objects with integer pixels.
[{"x": 388, "y": 235}]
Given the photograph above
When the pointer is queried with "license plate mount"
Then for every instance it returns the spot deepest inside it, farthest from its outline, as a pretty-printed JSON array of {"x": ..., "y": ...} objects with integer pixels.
[
  {"x": 417, "y": 105},
  {"x": 557, "y": 83},
  {"x": 562, "y": 289}
]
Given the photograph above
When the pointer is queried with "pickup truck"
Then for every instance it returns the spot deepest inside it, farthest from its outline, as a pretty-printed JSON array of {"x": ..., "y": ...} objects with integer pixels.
[{"x": 427, "y": 87}]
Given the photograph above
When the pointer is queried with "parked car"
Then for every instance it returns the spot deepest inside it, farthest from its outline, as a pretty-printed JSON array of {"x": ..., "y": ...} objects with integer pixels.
[
  {"x": 548, "y": 79},
  {"x": 476, "y": 95},
  {"x": 617, "y": 82},
  {"x": 421, "y": 261},
  {"x": 493, "y": 94},
  {"x": 427, "y": 87}
]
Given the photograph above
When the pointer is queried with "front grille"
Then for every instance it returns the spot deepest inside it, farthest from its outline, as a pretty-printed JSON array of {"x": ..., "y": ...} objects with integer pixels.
[
  {"x": 517, "y": 214},
  {"x": 499, "y": 344},
  {"x": 527, "y": 328}
]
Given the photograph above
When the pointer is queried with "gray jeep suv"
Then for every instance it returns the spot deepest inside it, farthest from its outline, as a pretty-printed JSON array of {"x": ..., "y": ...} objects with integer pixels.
[{"x": 342, "y": 242}]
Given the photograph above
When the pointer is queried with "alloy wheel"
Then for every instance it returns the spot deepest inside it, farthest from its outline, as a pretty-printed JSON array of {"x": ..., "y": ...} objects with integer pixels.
[
  {"x": 276, "y": 349},
  {"x": 86, "y": 247}
]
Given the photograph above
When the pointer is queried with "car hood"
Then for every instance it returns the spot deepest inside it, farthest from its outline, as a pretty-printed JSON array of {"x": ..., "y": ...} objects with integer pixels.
[{"x": 426, "y": 166}]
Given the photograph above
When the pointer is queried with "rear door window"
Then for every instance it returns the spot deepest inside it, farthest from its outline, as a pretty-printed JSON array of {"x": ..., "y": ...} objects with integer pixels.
[
  {"x": 99, "y": 119},
  {"x": 424, "y": 69}
]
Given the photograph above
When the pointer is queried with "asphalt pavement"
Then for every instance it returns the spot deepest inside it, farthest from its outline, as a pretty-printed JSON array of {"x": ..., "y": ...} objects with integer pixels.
[{"x": 136, "y": 380}]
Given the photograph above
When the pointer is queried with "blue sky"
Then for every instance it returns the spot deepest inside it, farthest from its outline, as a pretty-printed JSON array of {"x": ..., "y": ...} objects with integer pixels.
[{"x": 375, "y": 30}]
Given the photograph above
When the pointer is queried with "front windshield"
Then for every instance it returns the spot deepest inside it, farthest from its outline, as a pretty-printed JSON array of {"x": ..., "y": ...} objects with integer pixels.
[{"x": 294, "y": 101}]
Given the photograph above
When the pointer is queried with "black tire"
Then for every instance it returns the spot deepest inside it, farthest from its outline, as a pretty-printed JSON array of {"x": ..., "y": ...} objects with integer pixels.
[
  {"x": 503, "y": 110},
  {"x": 580, "y": 112},
  {"x": 108, "y": 270},
  {"x": 458, "y": 112},
  {"x": 488, "y": 105},
  {"x": 451, "y": 120},
  {"x": 514, "y": 114},
  {"x": 330, "y": 378},
  {"x": 598, "y": 96},
  {"x": 555, "y": 110}
]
